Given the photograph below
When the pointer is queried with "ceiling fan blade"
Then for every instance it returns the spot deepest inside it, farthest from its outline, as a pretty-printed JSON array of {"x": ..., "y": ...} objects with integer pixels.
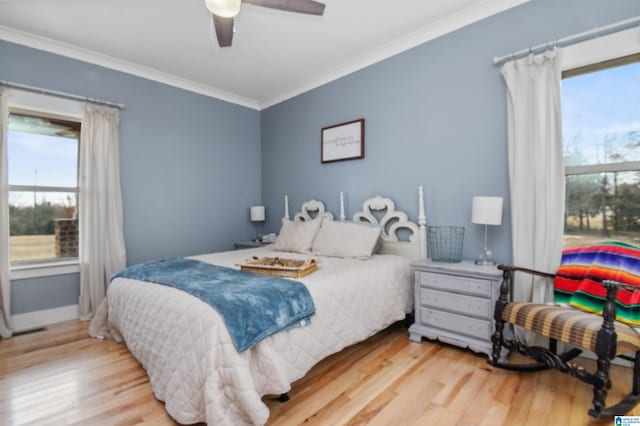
[
  {"x": 224, "y": 30},
  {"x": 309, "y": 7}
]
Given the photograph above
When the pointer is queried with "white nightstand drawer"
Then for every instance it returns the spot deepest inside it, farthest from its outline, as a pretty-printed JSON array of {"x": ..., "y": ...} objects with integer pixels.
[
  {"x": 466, "y": 305},
  {"x": 456, "y": 323},
  {"x": 457, "y": 284}
]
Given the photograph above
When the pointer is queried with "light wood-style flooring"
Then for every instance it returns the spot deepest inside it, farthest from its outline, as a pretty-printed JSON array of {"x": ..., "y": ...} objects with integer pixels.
[{"x": 61, "y": 376}]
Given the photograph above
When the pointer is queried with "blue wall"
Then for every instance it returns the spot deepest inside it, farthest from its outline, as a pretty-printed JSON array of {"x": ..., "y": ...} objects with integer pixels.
[
  {"x": 435, "y": 115},
  {"x": 190, "y": 165},
  {"x": 37, "y": 294}
]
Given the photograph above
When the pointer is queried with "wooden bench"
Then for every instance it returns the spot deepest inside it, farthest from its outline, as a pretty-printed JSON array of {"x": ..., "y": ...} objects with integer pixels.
[{"x": 601, "y": 334}]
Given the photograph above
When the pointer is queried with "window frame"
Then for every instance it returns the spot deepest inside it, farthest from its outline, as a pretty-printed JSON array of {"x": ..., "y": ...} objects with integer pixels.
[
  {"x": 22, "y": 102},
  {"x": 624, "y": 166}
]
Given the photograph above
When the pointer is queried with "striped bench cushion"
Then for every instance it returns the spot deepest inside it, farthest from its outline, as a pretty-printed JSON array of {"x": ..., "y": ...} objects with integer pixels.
[{"x": 568, "y": 325}]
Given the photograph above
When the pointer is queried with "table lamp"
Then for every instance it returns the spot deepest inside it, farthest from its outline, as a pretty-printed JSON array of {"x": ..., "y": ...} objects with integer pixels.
[
  {"x": 486, "y": 211},
  {"x": 257, "y": 216}
]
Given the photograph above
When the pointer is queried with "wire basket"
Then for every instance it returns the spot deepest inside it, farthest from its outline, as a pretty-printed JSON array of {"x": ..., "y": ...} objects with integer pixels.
[{"x": 445, "y": 243}]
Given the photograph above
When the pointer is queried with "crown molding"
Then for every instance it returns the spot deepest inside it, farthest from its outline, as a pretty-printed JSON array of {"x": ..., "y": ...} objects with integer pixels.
[
  {"x": 85, "y": 55},
  {"x": 430, "y": 32}
]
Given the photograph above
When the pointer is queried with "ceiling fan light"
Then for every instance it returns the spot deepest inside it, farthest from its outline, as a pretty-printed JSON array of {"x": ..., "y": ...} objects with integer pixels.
[{"x": 223, "y": 8}]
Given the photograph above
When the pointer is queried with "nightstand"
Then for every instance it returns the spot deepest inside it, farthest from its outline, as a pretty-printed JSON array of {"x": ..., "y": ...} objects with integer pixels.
[
  {"x": 454, "y": 303},
  {"x": 250, "y": 244}
]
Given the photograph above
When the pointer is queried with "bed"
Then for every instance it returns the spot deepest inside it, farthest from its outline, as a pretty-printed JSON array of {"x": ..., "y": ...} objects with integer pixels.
[{"x": 192, "y": 363}]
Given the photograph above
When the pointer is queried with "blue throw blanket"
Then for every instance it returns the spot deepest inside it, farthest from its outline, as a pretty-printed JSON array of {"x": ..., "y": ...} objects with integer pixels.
[{"x": 253, "y": 306}]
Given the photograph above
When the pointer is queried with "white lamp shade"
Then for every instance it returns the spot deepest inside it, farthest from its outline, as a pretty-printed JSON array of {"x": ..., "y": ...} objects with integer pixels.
[
  {"x": 257, "y": 213},
  {"x": 487, "y": 210},
  {"x": 223, "y": 8}
]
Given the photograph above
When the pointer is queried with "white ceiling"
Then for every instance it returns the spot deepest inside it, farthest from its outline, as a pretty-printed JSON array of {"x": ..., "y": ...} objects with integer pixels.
[{"x": 275, "y": 55}]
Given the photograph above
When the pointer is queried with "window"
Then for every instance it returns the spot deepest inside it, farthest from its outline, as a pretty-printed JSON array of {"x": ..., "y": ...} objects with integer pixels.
[
  {"x": 43, "y": 187},
  {"x": 601, "y": 138}
]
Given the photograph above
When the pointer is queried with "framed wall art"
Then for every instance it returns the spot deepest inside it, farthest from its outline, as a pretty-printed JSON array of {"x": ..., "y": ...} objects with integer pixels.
[{"x": 344, "y": 141}]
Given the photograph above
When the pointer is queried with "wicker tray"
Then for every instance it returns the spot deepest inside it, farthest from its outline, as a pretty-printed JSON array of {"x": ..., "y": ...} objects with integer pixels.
[{"x": 279, "y": 267}]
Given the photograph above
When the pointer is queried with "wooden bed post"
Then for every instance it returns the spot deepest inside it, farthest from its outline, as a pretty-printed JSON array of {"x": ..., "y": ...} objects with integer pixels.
[
  {"x": 342, "y": 215},
  {"x": 286, "y": 208},
  {"x": 422, "y": 224}
]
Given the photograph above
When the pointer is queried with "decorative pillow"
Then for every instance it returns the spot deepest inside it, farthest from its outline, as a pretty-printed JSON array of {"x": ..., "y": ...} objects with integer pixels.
[
  {"x": 297, "y": 237},
  {"x": 346, "y": 239}
]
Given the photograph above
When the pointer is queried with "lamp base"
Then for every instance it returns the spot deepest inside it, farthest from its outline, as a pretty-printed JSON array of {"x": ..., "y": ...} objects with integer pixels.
[
  {"x": 258, "y": 237},
  {"x": 485, "y": 255}
]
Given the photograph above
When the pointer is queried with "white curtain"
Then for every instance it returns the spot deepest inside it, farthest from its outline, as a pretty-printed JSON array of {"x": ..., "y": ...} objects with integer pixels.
[
  {"x": 536, "y": 170},
  {"x": 5, "y": 282},
  {"x": 102, "y": 250}
]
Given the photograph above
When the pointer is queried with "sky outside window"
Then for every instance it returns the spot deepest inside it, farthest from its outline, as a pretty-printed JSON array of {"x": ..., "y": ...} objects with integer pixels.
[
  {"x": 41, "y": 160},
  {"x": 601, "y": 116}
]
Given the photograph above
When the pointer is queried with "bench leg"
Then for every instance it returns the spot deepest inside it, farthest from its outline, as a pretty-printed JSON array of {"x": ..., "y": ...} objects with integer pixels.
[
  {"x": 497, "y": 340},
  {"x": 498, "y": 336},
  {"x": 627, "y": 403},
  {"x": 283, "y": 397},
  {"x": 636, "y": 374},
  {"x": 600, "y": 386}
]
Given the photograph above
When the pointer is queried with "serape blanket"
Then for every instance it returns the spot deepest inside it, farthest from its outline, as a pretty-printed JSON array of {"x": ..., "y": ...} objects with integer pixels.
[
  {"x": 252, "y": 306},
  {"x": 582, "y": 268}
]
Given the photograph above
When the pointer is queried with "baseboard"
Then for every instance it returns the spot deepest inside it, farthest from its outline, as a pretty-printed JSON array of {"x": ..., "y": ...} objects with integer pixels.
[{"x": 31, "y": 320}]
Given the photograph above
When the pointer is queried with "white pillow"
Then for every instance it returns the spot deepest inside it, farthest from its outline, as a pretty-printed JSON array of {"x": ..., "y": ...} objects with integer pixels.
[
  {"x": 297, "y": 236},
  {"x": 346, "y": 239}
]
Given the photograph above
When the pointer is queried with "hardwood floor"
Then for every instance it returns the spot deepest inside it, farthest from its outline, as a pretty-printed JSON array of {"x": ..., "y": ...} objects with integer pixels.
[{"x": 61, "y": 376}]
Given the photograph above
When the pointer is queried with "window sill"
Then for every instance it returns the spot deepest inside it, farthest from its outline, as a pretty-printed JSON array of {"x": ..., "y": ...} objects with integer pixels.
[{"x": 35, "y": 270}]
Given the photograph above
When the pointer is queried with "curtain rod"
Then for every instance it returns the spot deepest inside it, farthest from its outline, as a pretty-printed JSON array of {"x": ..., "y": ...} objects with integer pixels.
[
  {"x": 63, "y": 95},
  {"x": 577, "y": 38}
]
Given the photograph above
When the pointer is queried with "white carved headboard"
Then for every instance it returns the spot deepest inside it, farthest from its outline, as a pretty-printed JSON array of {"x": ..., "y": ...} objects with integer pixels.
[
  {"x": 305, "y": 213},
  {"x": 391, "y": 222}
]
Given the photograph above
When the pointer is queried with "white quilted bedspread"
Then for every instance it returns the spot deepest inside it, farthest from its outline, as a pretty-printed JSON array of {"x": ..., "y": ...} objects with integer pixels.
[{"x": 193, "y": 365}]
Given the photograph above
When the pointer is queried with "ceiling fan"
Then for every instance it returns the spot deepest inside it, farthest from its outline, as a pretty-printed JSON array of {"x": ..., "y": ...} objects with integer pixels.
[{"x": 223, "y": 12}]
